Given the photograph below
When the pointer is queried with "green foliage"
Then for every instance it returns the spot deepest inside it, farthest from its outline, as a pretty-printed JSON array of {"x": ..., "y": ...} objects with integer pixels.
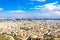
[
  {"x": 29, "y": 39},
  {"x": 2, "y": 37}
]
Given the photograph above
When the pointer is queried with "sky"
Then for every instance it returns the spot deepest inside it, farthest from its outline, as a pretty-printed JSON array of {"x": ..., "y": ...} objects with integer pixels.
[{"x": 29, "y": 8}]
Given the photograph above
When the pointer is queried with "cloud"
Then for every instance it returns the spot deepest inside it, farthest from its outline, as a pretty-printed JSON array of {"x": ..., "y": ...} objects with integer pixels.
[
  {"x": 17, "y": 15},
  {"x": 18, "y": 11},
  {"x": 53, "y": 9},
  {"x": 49, "y": 6},
  {"x": 37, "y": 7},
  {"x": 14, "y": 14},
  {"x": 52, "y": 6},
  {"x": 1, "y": 9},
  {"x": 39, "y": 0},
  {"x": 57, "y": 12},
  {"x": 50, "y": 10}
]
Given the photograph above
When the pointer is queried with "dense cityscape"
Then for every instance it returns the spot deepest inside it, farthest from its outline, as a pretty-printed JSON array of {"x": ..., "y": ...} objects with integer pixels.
[
  {"x": 29, "y": 19},
  {"x": 29, "y": 29}
]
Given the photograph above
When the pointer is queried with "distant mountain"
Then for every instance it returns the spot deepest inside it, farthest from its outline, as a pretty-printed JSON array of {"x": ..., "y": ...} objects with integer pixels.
[
  {"x": 38, "y": 19},
  {"x": 31, "y": 18}
]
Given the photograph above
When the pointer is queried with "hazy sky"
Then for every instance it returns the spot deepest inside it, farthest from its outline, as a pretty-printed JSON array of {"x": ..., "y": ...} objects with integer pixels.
[{"x": 29, "y": 9}]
